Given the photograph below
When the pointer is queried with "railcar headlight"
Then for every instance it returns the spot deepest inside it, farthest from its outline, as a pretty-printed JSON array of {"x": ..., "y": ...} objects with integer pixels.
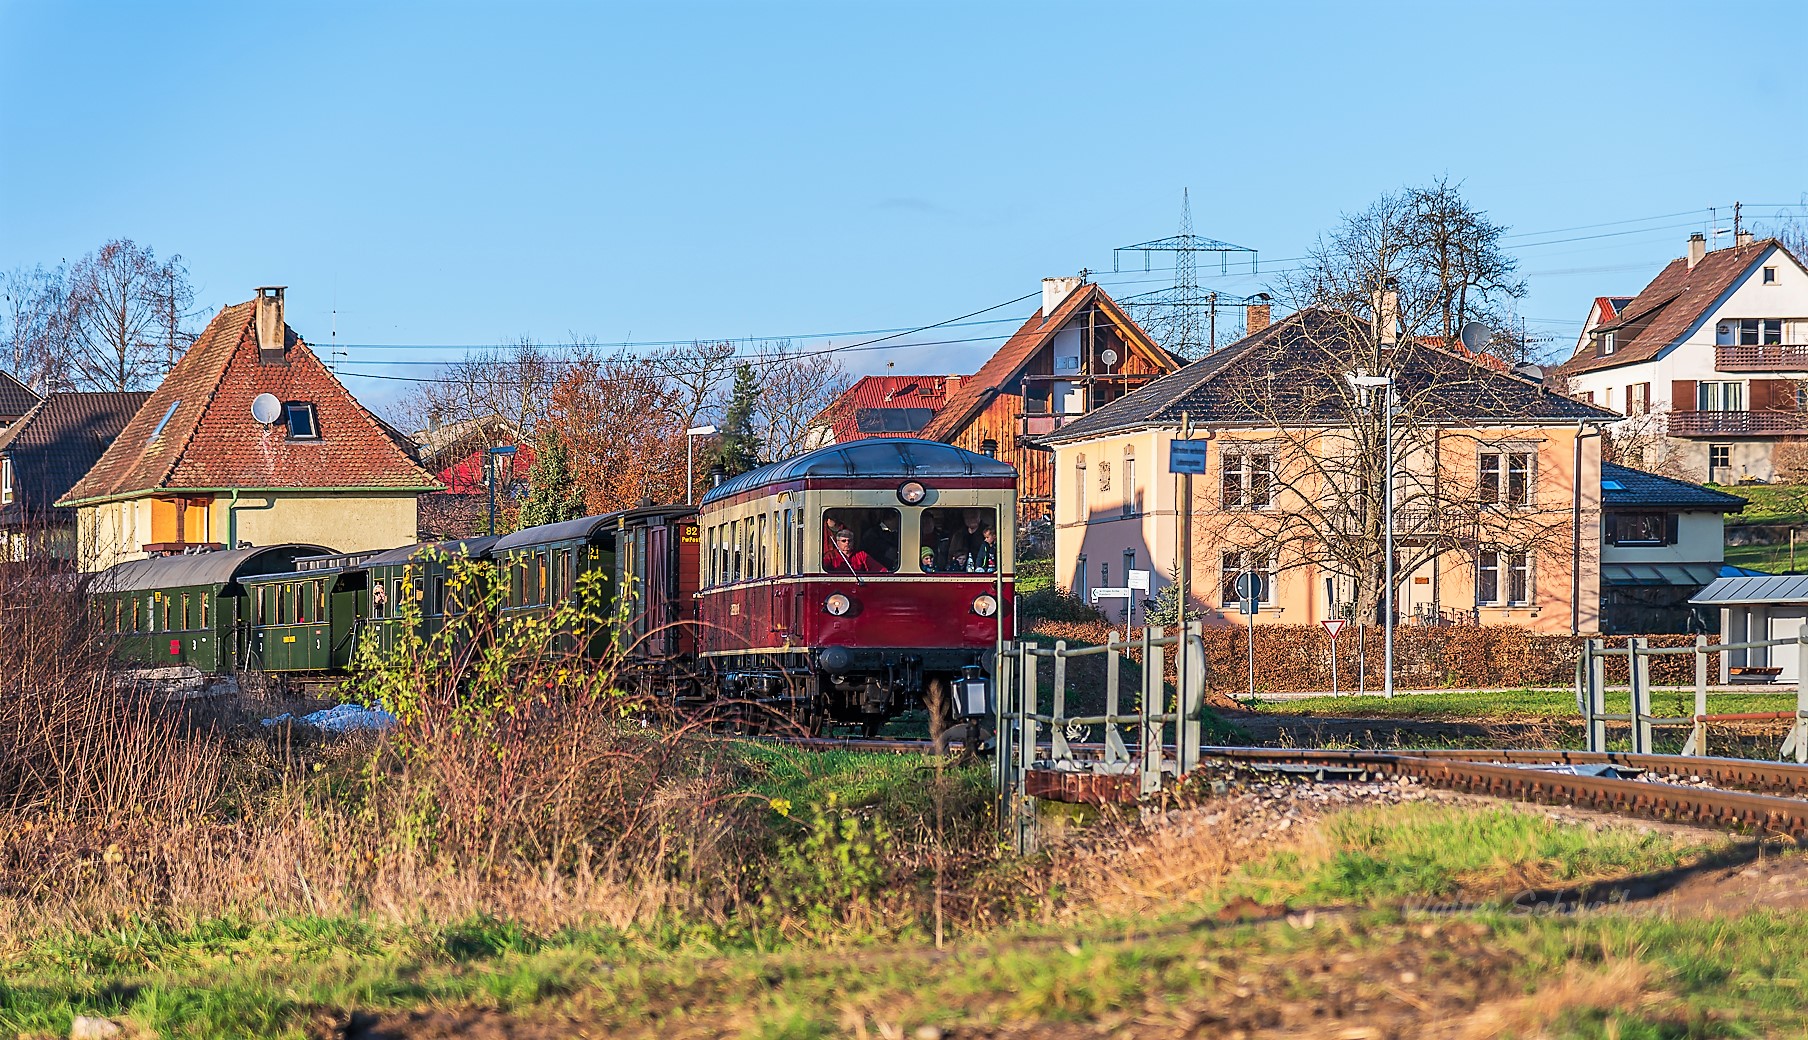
[
  {"x": 985, "y": 605},
  {"x": 912, "y": 492},
  {"x": 839, "y": 604}
]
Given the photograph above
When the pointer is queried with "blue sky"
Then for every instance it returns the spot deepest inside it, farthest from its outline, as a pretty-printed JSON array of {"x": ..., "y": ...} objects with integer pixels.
[{"x": 449, "y": 174}]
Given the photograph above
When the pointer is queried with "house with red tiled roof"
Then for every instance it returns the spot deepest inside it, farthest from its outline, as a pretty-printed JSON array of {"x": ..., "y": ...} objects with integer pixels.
[
  {"x": 42, "y": 455},
  {"x": 1708, "y": 362},
  {"x": 198, "y": 468},
  {"x": 1078, "y": 352},
  {"x": 881, "y": 406}
]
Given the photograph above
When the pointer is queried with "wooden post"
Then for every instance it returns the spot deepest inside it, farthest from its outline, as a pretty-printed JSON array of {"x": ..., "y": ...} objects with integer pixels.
[
  {"x": 1115, "y": 751},
  {"x": 1597, "y": 695},
  {"x": 1698, "y": 733}
]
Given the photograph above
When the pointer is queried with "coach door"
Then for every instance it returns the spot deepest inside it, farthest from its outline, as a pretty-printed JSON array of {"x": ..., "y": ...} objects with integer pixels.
[{"x": 783, "y": 566}]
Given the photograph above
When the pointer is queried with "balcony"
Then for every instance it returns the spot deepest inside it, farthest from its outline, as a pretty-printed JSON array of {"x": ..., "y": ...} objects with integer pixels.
[
  {"x": 1770, "y": 357},
  {"x": 1738, "y": 424}
]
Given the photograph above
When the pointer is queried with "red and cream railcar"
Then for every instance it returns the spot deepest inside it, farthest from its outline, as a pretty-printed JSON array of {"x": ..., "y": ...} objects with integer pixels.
[{"x": 854, "y": 581}]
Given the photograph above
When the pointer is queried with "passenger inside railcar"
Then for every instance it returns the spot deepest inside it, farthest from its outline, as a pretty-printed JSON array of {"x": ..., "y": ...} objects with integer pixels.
[
  {"x": 963, "y": 540},
  {"x": 863, "y": 541}
]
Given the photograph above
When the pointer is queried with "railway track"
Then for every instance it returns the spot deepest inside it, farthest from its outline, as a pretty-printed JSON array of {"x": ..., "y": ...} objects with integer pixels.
[{"x": 1746, "y": 795}]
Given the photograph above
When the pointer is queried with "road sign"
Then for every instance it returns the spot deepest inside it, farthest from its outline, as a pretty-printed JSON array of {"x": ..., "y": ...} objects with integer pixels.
[
  {"x": 1251, "y": 585},
  {"x": 1186, "y": 456},
  {"x": 1118, "y": 592},
  {"x": 1334, "y": 625},
  {"x": 1139, "y": 580}
]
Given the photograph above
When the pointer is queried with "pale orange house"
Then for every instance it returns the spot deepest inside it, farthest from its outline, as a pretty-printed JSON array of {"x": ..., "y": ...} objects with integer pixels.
[{"x": 1497, "y": 490}]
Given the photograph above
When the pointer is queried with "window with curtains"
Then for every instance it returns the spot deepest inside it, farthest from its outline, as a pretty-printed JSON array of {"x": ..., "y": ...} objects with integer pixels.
[
  {"x": 1506, "y": 477},
  {"x": 1503, "y": 578}
]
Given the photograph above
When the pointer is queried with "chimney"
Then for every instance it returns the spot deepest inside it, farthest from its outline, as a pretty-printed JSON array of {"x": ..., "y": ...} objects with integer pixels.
[
  {"x": 1743, "y": 239},
  {"x": 1387, "y": 316},
  {"x": 1257, "y": 316},
  {"x": 1054, "y": 290},
  {"x": 1698, "y": 248},
  {"x": 270, "y": 325}
]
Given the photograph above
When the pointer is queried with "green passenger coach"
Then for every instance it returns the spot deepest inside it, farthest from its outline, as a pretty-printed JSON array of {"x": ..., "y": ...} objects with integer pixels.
[{"x": 187, "y": 610}]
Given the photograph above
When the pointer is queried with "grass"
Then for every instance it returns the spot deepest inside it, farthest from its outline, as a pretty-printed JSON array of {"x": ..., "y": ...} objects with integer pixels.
[
  {"x": 1772, "y": 559},
  {"x": 1768, "y": 504},
  {"x": 1590, "y": 976},
  {"x": 1033, "y": 576}
]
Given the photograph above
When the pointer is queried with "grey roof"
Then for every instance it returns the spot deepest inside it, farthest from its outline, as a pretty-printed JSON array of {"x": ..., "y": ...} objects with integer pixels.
[
  {"x": 1638, "y": 489},
  {"x": 584, "y": 527},
  {"x": 904, "y": 458},
  {"x": 55, "y": 443},
  {"x": 1292, "y": 369},
  {"x": 212, "y": 568},
  {"x": 1658, "y": 574},
  {"x": 475, "y": 548},
  {"x": 1768, "y": 588},
  {"x": 15, "y": 397}
]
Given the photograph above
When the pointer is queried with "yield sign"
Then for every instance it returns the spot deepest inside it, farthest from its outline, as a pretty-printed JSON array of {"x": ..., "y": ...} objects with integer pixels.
[{"x": 1334, "y": 625}]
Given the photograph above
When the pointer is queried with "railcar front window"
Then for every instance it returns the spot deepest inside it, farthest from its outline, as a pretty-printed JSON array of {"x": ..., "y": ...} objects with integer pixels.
[
  {"x": 860, "y": 540},
  {"x": 959, "y": 541}
]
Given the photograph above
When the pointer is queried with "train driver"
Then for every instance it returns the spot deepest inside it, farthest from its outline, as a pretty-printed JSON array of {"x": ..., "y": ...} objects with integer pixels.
[{"x": 842, "y": 556}]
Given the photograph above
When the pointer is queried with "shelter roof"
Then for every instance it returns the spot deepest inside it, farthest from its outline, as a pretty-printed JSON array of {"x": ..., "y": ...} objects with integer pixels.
[
  {"x": 1767, "y": 588},
  {"x": 1295, "y": 369},
  {"x": 878, "y": 458},
  {"x": 195, "y": 432},
  {"x": 1623, "y": 487}
]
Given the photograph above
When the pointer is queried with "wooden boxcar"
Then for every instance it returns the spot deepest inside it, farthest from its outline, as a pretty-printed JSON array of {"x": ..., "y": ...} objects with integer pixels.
[
  {"x": 188, "y": 610},
  {"x": 657, "y": 559},
  {"x": 920, "y": 592}
]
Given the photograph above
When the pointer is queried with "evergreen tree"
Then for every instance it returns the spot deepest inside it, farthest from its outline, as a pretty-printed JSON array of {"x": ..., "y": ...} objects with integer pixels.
[
  {"x": 553, "y": 495},
  {"x": 739, "y": 449}
]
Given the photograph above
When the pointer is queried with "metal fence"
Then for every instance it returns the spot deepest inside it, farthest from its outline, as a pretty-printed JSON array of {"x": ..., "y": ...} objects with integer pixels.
[
  {"x": 1026, "y": 711},
  {"x": 1592, "y": 693}
]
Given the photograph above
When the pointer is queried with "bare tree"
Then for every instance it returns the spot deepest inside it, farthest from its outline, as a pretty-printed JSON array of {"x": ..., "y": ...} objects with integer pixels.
[
  {"x": 37, "y": 327},
  {"x": 513, "y": 382},
  {"x": 795, "y": 388},
  {"x": 126, "y": 314},
  {"x": 1459, "y": 254}
]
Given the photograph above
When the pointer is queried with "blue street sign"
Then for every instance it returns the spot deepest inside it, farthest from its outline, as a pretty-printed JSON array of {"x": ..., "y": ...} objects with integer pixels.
[{"x": 1186, "y": 456}]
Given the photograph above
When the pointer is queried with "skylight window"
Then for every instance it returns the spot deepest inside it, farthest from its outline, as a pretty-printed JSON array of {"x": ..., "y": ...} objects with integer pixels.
[
  {"x": 1612, "y": 485},
  {"x": 161, "y": 423},
  {"x": 300, "y": 417}
]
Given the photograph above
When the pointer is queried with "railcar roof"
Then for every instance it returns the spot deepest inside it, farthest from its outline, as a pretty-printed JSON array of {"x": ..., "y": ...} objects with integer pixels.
[
  {"x": 213, "y": 568},
  {"x": 584, "y": 527},
  {"x": 474, "y": 548},
  {"x": 877, "y": 457}
]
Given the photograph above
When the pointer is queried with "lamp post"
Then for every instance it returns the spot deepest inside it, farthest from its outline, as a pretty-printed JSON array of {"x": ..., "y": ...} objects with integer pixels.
[
  {"x": 489, "y": 466},
  {"x": 690, "y": 476},
  {"x": 1365, "y": 383}
]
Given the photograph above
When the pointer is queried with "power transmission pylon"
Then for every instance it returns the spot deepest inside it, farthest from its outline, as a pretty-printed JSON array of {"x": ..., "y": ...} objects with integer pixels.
[{"x": 1184, "y": 301}]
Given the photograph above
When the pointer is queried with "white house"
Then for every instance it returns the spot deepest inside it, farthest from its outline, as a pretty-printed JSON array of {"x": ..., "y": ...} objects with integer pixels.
[
  {"x": 1662, "y": 541},
  {"x": 1708, "y": 362}
]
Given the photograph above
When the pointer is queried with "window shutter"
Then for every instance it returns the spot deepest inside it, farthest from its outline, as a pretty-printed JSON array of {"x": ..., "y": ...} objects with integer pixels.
[
  {"x": 1671, "y": 523},
  {"x": 1682, "y": 395}
]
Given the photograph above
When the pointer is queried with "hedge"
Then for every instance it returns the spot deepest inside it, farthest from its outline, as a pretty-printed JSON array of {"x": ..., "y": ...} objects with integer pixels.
[{"x": 1296, "y": 658}]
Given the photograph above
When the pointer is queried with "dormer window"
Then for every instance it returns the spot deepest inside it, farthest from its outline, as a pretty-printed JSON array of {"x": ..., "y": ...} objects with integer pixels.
[
  {"x": 300, "y": 417},
  {"x": 6, "y": 481},
  {"x": 1607, "y": 344},
  {"x": 1770, "y": 276}
]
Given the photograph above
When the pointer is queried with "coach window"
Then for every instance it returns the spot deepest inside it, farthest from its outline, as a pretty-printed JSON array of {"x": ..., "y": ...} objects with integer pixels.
[
  {"x": 875, "y": 533},
  {"x": 765, "y": 557},
  {"x": 797, "y": 541},
  {"x": 963, "y": 539}
]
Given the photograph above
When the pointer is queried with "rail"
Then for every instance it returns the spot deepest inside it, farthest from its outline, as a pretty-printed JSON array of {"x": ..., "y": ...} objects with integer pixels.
[
  {"x": 1021, "y": 717},
  {"x": 1736, "y": 423},
  {"x": 1592, "y": 692},
  {"x": 1766, "y": 357}
]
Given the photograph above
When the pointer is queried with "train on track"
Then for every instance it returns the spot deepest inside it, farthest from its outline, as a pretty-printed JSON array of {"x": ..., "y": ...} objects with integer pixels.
[{"x": 842, "y": 586}]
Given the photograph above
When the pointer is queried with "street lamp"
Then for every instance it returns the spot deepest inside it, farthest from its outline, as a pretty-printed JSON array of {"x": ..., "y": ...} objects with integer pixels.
[
  {"x": 1366, "y": 383},
  {"x": 489, "y": 468},
  {"x": 690, "y": 478}
]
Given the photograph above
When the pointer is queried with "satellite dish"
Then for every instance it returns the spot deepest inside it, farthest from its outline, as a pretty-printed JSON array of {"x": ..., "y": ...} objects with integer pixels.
[
  {"x": 1476, "y": 336},
  {"x": 265, "y": 408},
  {"x": 1109, "y": 357}
]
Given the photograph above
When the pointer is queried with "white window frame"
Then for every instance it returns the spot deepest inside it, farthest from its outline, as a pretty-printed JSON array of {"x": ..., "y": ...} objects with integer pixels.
[
  {"x": 1715, "y": 395},
  {"x": 1508, "y": 566},
  {"x": 1236, "y": 461},
  {"x": 1770, "y": 276},
  {"x": 1607, "y": 343},
  {"x": 1495, "y": 470},
  {"x": 6, "y": 481}
]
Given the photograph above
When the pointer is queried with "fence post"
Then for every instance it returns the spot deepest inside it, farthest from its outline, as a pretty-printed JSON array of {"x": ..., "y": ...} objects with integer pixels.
[
  {"x": 1004, "y": 687},
  {"x": 1639, "y": 671},
  {"x": 1115, "y": 751},
  {"x": 1026, "y": 748},
  {"x": 1152, "y": 705},
  {"x": 1192, "y": 694},
  {"x": 1697, "y": 743},
  {"x": 1597, "y": 695},
  {"x": 1059, "y": 750},
  {"x": 1800, "y": 731}
]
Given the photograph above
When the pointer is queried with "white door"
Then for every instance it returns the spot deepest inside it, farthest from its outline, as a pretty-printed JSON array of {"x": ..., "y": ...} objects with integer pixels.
[{"x": 1785, "y": 623}]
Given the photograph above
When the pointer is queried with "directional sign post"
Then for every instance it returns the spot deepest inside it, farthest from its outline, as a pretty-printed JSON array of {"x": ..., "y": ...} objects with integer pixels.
[
  {"x": 1334, "y": 626},
  {"x": 1252, "y": 587}
]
